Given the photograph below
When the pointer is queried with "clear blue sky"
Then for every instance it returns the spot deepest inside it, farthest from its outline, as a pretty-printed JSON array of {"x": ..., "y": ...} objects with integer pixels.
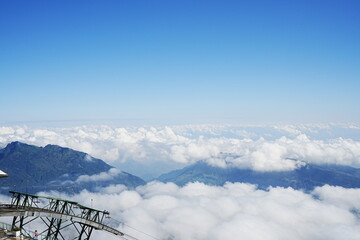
[{"x": 197, "y": 61}]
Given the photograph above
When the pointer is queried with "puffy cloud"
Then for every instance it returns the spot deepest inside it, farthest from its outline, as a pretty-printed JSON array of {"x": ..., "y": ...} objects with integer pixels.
[
  {"x": 103, "y": 176},
  {"x": 6, "y": 130},
  {"x": 233, "y": 211},
  {"x": 347, "y": 198},
  {"x": 240, "y": 211},
  {"x": 198, "y": 211},
  {"x": 289, "y": 129},
  {"x": 112, "y": 189},
  {"x": 262, "y": 148}
]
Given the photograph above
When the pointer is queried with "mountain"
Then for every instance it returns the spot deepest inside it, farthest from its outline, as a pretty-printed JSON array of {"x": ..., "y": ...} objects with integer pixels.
[
  {"x": 306, "y": 177},
  {"x": 32, "y": 169},
  {"x": 149, "y": 170}
]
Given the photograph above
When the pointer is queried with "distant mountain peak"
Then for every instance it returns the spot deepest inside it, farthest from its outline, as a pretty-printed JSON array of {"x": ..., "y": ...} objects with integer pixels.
[{"x": 14, "y": 145}]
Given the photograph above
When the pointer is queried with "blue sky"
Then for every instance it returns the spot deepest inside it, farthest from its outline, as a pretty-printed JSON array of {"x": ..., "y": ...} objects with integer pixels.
[{"x": 180, "y": 61}]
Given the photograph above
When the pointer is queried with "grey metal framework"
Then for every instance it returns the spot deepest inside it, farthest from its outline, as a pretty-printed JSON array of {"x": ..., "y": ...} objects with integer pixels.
[{"x": 56, "y": 214}]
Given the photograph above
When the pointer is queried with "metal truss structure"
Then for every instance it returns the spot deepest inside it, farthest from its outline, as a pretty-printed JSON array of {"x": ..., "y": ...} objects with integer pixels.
[{"x": 57, "y": 215}]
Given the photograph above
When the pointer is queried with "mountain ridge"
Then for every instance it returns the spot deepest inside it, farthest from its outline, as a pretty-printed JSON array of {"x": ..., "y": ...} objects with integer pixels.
[
  {"x": 306, "y": 177},
  {"x": 52, "y": 167}
]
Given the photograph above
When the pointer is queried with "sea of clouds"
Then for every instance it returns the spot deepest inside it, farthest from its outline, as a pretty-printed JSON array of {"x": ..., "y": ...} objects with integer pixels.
[
  {"x": 198, "y": 211},
  {"x": 234, "y": 211},
  {"x": 261, "y": 148}
]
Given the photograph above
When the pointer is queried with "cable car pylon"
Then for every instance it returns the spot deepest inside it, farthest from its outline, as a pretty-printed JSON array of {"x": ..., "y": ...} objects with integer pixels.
[{"x": 57, "y": 215}]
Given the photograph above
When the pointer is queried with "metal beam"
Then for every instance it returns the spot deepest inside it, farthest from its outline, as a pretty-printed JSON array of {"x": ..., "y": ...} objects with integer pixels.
[{"x": 5, "y": 211}]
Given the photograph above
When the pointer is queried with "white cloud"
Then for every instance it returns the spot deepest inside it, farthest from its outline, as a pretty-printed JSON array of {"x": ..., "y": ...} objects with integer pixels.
[
  {"x": 233, "y": 211},
  {"x": 289, "y": 129},
  {"x": 197, "y": 211},
  {"x": 112, "y": 189},
  {"x": 249, "y": 147},
  {"x": 103, "y": 176},
  {"x": 6, "y": 130},
  {"x": 347, "y": 198}
]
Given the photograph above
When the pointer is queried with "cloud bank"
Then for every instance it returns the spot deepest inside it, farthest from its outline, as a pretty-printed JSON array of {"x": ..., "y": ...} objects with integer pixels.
[
  {"x": 198, "y": 211},
  {"x": 262, "y": 148},
  {"x": 233, "y": 211}
]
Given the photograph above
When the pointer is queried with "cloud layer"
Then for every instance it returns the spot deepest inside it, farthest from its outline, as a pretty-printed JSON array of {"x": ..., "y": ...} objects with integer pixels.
[
  {"x": 233, "y": 211},
  {"x": 262, "y": 148},
  {"x": 197, "y": 211}
]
